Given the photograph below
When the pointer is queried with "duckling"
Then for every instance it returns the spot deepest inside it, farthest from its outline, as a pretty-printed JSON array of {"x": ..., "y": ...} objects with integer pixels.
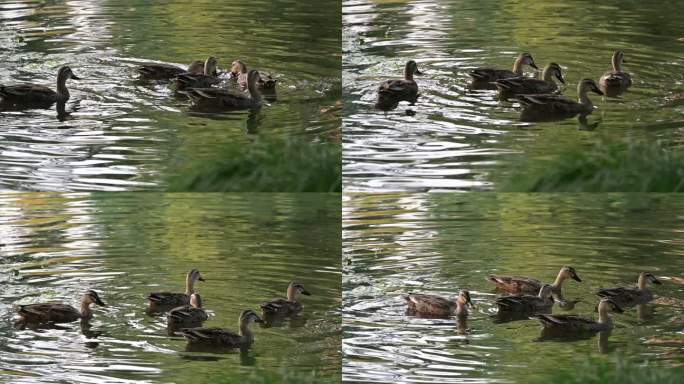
[
  {"x": 240, "y": 70},
  {"x": 217, "y": 98},
  {"x": 574, "y": 323},
  {"x": 391, "y": 92},
  {"x": 526, "y": 285},
  {"x": 160, "y": 301},
  {"x": 199, "y": 80},
  {"x": 162, "y": 71},
  {"x": 187, "y": 314},
  {"x": 629, "y": 297},
  {"x": 59, "y": 313},
  {"x": 554, "y": 107},
  {"x": 437, "y": 306},
  {"x": 37, "y": 96},
  {"x": 483, "y": 78},
  {"x": 615, "y": 82},
  {"x": 220, "y": 337},
  {"x": 285, "y": 307},
  {"x": 527, "y": 303},
  {"x": 525, "y": 85}
]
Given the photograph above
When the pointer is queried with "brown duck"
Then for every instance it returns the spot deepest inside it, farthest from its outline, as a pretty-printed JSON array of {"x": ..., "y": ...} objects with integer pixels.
[
  {"x": 161, "y": 301},
  {"x": 484, "y": 78},
  {"x": 527, "y": 285},
  {"x": 163, "y": 71},
  {"x": 59, "y": 313},
  {"x": 239, "y": 69},
  {"x": 37, "y": 96},
  {"x": 391, "y": 92},
  {"x": 431, "y": 305},
  {"x": 285, "y": 307},
  {"x": 629, "y": 297},
  {"x": 220, "y": 337}
]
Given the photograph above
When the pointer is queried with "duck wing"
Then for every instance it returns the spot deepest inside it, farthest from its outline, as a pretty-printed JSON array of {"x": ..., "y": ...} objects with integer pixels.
[{"x": 429, "y": 303}]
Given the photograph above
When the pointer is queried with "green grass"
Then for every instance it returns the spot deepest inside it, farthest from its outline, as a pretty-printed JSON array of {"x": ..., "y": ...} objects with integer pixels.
[
  {"x": 282, "y": 376},
  {"x": 605, "y": 167},
  {"x": 616, "y": 372},
  {"x": 267, "y": 165}
]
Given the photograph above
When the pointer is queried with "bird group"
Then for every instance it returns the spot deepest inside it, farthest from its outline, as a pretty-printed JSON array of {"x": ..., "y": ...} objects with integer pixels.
[
  {"x": 185, "y": 314},
  {"x": 198, "y": 81},
  {"x": 527, "y": 298},
  {"x": 540, "y": 98}
]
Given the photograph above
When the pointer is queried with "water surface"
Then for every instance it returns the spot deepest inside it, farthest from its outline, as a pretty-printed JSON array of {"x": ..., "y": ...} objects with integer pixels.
[
  {"x": 126, "y": 135},
  {"x": 55, "y": 246},
  {"x": 441, "y": 243},
  {"x": 462, "y": 140}
]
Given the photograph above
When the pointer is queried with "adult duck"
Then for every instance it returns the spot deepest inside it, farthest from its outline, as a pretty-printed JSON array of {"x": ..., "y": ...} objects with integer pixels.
[
  {"x": 629, "y": 297},
  {"x": 615, "y": 82},
  {"x": 199, "y": 80},
  {"x": 574, "y": 323},
  {"x": 285, "y": 307},
  {"x": 224, "y": 338},
  {"x": 37, "y": 96},
  {"x": 59, "y": 313},
  {"x": 483, "y": 78},
  {"x": 187, "y": 315},
  {"x": 527, "y": 303},
  {"x": 527, "y": 285},
  {"x": 555, "y": 107},
  {"x": 239, "y": 70},
  {"x": 220, "y": 99},
  {"x": 163, "y": 71},
  {"x": 391, "y": 92},
  {"x": 161, "y": 301},
  {"x": 437, "y": 306},
  {"x": 527, "y": 85}
]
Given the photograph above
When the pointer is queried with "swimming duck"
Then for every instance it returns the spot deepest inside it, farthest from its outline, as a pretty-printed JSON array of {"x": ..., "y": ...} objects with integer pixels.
[
  {"x": 38, "y": 96},
  {"x": 629, "y": 297},
  {"x": 218, "y": 98},
  {"x": 615, "y": 82},
  {"x": 59, "y": 313},
  {"x": 527, "y": 303},
  {"x": 162, "y": 71},
  {"x": 574, "y": 323},
  {"x": 483, "y": 78},
  {"x": 159, "y": 301},
  {"x": 187, "y": 314},
  {"x": 525, "y": 85},
  {"x": 554, "y": 107},
  {"x": 527, "y": 285},
  {"x": 391, "y": 92},
  {"x": 239, "y": 69},
  {"x": 199, "y": 80},
  {"x": 437, "y": 306},
  {"x": 285, "y": 307},
  {"x": 220, "y": 337}
]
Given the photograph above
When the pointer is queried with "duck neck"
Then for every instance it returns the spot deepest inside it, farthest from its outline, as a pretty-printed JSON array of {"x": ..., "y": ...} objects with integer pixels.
[
  {"x": 461, "y": 310},
  {"x": 256, "y": 96},
  {"x": 558, "y": 282},
  {"x": 408, "y": 72},
  {"x": 584, "y": 98},
  {"x": 291, "y": 293},
  {"x": 642, "y": 281},
  {"x": 189, "y": 285},
  {"x": 86, "y": 313},
  {"x": 245, "y": 332},
  {"x": 517, "y": 66},
  {"x": 62, "y": 90},
  {"x": 547, "y": 74},
  {"x": 617, "y": 65},
  {"x": 603, "y": 315}
]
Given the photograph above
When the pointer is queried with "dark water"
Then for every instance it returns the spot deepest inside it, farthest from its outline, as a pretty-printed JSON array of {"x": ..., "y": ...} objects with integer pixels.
[
  {"x": 123, "y": 135},
  {"x": 458, "y": 138},
  {"x": 439, "y": 243},
  {"x": 54, "y": 246}
]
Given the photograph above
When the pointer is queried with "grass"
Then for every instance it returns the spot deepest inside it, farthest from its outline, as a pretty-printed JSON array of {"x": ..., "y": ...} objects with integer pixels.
[
  {"x": 280, "y": 377},
  {"x": 267, "y": 165},
  {"x": 605, "y": 167},
  {"x": 616, "y": 372}
]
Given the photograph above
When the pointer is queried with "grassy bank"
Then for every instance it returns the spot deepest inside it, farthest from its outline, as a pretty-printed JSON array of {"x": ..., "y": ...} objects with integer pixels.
[{"x": 616, "y": 372}]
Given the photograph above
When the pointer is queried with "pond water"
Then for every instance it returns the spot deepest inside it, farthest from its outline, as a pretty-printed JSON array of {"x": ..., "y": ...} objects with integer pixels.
[
  {"x": 439, "y": 243},
  {"x": 459, "y": 138},
  {"x": 55, "y": 246},
  {"x": 126, "y": 135}
]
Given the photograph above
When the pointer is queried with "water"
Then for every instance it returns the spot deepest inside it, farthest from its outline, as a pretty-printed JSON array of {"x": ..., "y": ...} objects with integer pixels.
[
  {"x": 441, "y": 243},
  {"x": 125, "y": 245},
  {"x": 124, "y": 135},
  {"x": 462, "y": 140}
]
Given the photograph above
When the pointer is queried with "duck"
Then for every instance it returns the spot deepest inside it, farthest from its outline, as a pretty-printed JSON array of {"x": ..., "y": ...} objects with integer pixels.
[
  {"x": 483, "y": 78},
  {"x": 163, "y": 71},
  {"x": 187, "y": 314},
  {"x": 391, "y": 92},
  {"x": 59, "y": 313},
  {"x": 526, "y": 285},
  {"x": 285, "y": 307},
  {"x": 221, "y": 337},
  {"x": 527, "y": 303},
  {"x": 158, "y": 301},
  {"x": 629, "y": 297},
  {"x": 553, "y": 107},
  {"x": 615, "y": 82},
  {"x": 199, "y": 80},
  {"x": 34, "y": 95},
  {"x": 219, "y": 98},
  {"x": 431, "y": 305},
  {"x": 239, "y": 69},
  {"x": 524, "y": 85},
  {"x": 574, "y": 323}
]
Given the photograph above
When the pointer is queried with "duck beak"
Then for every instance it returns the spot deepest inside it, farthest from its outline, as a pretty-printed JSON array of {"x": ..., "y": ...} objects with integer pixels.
[
  {"x": 74, "y": 77},
  {"x": 560, "y": 78},
  {"x": 617, "y": 309},
  {"x": 656, "y": 281},
  {"x": 596, "y": 91},
  {"x": 305, "y": 292},
  {"x": 99, "y": 302},
  {"x": 200, "y": 278},
  {"x": 258, "y": 319},
  {"x": 533, "y": 65},
  {"x": 417, "y": 72},
  {"x": 576, "y": 278}
]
